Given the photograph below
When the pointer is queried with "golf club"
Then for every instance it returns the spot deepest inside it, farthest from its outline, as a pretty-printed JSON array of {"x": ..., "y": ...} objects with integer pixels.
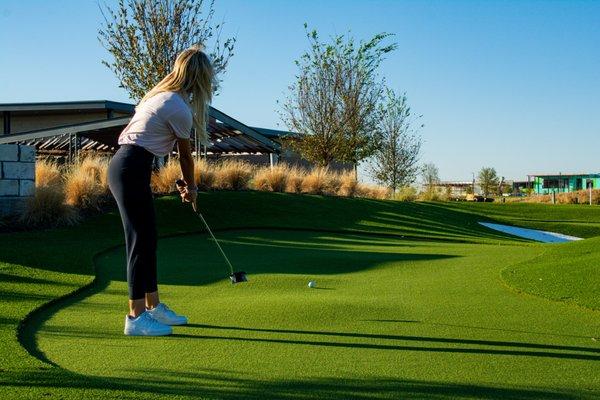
[{"x": 235, "y": 277}]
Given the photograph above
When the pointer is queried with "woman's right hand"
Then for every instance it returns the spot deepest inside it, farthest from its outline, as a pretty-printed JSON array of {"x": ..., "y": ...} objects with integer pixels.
[{"x": 189, "y": 195}]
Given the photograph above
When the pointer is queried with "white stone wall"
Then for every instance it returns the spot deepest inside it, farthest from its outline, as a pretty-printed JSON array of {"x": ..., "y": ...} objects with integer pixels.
[{"x": 17, "y": 176}]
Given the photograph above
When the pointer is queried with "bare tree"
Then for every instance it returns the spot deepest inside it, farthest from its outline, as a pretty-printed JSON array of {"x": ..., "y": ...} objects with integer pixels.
[
  {"x": 488, "y": 181},
  {"x": 145, "y": 36},
  {"x": 394, "y": 162},
  {"x": 333, "y": 102},
  {"x": 431, "y": 176}
]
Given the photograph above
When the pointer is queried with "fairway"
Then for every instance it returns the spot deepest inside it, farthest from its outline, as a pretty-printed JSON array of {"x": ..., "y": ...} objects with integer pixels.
[{"x": 390, "y": 317}]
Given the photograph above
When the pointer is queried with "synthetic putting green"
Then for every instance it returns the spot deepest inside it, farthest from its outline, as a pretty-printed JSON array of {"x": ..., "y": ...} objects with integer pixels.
[
  {"x": 413, "y": 302},
  {"x": 422, "y": 318}
]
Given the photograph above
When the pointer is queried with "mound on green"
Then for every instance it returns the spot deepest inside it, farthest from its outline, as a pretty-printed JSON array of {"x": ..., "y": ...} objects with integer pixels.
[
  {"x": 568, "y": 272},
  {"x": 410, "y": 303}
]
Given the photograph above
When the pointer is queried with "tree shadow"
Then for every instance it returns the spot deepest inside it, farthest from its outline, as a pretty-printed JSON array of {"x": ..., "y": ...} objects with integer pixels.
[
  {"x": 216, "y": 384},
  {"x": 401, "y": 321},
  {"x": 262, "y": 258},
  {"x": 263, "y": 252},
  {"x": 453, "y": 341}
]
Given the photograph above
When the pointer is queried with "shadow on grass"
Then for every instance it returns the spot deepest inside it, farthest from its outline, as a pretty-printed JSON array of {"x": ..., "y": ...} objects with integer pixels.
[
  {"x": 266, "y": 252},
  {"x": 595, "y": 352},
  {"x": 401, "y": 321},
  {"x": 262, "y": 258},
  {"x": 234, "y": 385}
]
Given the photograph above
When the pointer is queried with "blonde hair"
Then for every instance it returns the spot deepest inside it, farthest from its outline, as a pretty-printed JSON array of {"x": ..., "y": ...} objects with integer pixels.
[{"x": 192, "y": 73}]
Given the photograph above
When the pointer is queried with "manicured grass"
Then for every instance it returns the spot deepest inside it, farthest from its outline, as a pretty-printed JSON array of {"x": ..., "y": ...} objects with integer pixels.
[
  {"x": 568, "y": 272},
  {"x": 411, "y": 303},
  {"x": 571, "y": 219}
]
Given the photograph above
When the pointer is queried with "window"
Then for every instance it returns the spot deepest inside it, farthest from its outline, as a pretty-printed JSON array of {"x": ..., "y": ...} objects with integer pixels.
[{"x": 550, "y": 184}]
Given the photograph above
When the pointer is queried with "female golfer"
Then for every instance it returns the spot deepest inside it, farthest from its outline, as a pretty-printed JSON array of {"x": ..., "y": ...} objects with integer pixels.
[{"x": 165, "y": 116}]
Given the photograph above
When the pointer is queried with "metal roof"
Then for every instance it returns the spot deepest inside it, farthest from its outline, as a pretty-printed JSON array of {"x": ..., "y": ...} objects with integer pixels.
[
  {"x": 561, "y": 175},
  {"x": 227, "y": 135},
  {"x": 68, "y": 106},
  {"x": 274, "y": 133}
]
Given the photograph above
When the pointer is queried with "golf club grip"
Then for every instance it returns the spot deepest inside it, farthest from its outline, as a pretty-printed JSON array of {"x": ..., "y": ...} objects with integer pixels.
[{"x": 181, "y": 183}]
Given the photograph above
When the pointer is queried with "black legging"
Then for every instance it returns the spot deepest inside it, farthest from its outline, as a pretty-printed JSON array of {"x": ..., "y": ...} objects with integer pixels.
[{"x": 129, "y": 181}]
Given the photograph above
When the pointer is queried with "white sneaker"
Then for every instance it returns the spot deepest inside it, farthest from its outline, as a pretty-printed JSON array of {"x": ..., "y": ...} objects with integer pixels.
[
  {"x": 145, "y": 325},
  {"x": 165, "y": 315}
]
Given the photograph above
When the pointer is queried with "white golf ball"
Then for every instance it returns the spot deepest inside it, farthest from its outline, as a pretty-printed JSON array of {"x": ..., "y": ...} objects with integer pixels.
[{"x": 312, "y": 284}]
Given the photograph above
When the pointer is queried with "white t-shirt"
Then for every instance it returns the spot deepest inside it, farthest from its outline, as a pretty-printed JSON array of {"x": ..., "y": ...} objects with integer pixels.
[{"x": 158, "y": 122}]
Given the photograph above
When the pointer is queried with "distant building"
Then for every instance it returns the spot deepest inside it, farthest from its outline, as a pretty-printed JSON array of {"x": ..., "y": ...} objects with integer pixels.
[
  {"x": 562, "y": 183},
  {"x": 456, "y": 189}
]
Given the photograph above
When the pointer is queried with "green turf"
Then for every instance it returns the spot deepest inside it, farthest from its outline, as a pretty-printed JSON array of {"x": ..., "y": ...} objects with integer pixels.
[
  {"x": 412, "y": 302},
  {"x": 571, "y": 219}
]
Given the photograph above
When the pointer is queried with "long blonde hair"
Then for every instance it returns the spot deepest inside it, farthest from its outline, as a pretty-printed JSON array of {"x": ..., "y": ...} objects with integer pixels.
[{"x": 192, "y": 73}]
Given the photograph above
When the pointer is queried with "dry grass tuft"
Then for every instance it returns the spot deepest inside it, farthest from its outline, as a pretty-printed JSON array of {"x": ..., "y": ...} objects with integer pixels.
[
  {"x": 97, "y": 168},
  {"x": 233, "y": 175},
  {"x": 85, "y": 184},
  {"x": 272, "y": 179},
  {"x": 163, "y": 180},
  {"x": 294, "y": 180},
  {"x": 47, "y": 173},
  {"x": 317, "y": 181},
  {"x": 204, "y": 174},
  {"x": 372, "y": 192},
  {"x": 348, "y": 184},
  {"x": 47, "y": 208}
]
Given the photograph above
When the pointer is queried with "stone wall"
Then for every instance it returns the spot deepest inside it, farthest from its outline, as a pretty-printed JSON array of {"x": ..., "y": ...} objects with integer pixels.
[{"x": 17, "y": 177}]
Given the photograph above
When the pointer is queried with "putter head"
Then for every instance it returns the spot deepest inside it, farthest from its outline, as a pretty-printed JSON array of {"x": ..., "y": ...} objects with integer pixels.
[{"x": 238, "y": 277}]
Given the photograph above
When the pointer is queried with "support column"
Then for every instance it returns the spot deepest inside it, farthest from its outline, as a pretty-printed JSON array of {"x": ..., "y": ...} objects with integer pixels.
[
  {"x": 273, "y": 159},
  {"x": 6, "y": 118},
  {"x": 70, "y": 159}
]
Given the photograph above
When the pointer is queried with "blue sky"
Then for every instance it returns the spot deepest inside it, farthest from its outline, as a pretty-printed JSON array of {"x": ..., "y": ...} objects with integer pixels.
[{"x": 509, "y": 84}]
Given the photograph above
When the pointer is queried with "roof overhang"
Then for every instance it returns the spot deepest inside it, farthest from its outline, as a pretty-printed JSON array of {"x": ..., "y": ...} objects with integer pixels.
[
  {"x": 227, "y": 134},
  {"x": 67, "y": 106}
]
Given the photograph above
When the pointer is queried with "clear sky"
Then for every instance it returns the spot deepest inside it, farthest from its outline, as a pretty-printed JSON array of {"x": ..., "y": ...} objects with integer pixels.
[{"x": 509, "y": 84}]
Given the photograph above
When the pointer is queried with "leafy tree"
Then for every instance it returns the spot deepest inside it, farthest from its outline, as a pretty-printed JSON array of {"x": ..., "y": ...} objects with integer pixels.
[
  {"x": 394, "y": 162},
  {"x": 144, "y": 37},
  {"x": 488, "y": 181},
  {"x": 334, "y": 100}
]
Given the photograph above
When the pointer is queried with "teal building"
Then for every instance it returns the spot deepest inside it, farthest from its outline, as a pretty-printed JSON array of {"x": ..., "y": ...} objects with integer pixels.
[{"x": 562, "y": 183}]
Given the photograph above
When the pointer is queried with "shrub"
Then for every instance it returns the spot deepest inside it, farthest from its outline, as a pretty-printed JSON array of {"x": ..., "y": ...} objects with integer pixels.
[
  {"x": 47, "y": 208},
  {"x": 163, "y": 180},
  {"x": 272, "y": 179},
  {"x": 432, "y": 195},
  {"x": 233, "y": 175},
  {"x": 407, "y": 193},
  {"x": 47, "y": 173},
  {"x": 204, "y": 174}
]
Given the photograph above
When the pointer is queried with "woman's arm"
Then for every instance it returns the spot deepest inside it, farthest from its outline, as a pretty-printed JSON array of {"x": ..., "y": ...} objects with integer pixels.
[{"x": 187, "y": 169}]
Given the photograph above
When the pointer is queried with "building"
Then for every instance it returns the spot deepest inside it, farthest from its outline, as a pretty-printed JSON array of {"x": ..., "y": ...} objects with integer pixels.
[
  {"x": 455, "y": 189},
  {"x": 562, "y": 183},
  {"x": 66, "y": 129}
]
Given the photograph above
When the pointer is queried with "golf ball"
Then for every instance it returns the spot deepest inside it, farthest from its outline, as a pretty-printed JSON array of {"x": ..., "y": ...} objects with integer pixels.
[{"x": 312, "y": 284}]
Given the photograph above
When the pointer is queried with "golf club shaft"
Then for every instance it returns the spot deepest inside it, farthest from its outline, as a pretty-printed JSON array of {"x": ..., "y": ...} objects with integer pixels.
[{"x": 213, "y": 237}]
